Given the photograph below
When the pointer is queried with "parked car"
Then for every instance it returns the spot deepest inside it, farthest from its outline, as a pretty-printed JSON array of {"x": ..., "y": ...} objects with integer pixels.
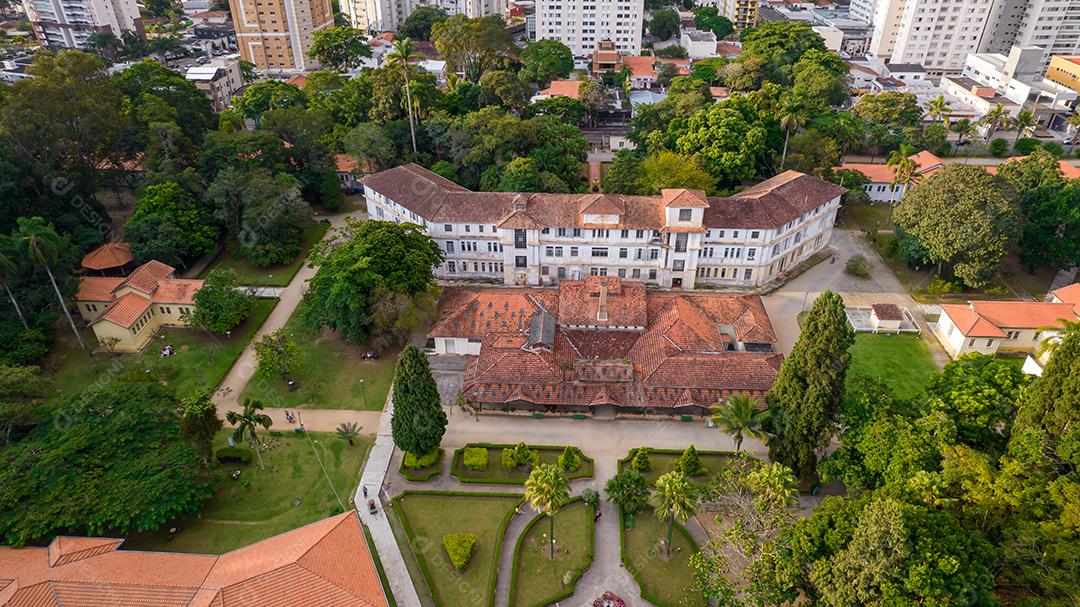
[
  {"x": 371, "y": 507},
  {"x": 371, "y": 355}
]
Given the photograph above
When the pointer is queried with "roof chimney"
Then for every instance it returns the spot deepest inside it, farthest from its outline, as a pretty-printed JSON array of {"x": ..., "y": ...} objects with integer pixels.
[{"x": 601, "y": 310}]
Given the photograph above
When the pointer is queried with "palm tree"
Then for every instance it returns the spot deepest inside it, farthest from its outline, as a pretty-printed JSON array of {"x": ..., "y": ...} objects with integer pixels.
[
  {"x": 964, "y": 128},
  {"x": 1049, "y": 344},
  {"x": 994, "y": 119},
  {"x": 348, "y": 431},
  {"x": 104, "y": 43},
  {"x": 37, "y": 240},
  {"x": 674, "y": 498},
  {"x": 9, "y": 270},
  {"x": 547, "y": 489},
  {"x": 905, "y": 170},
  {"x": 399, "y": 56},
  {"x": 247, "y": 421},
  {"x": 1024, "y": 121},
  {"x": 740, "y": 417},
  {"x": 938, "y": 108},
  {"x": 792, "y": 118},
  {"x": 1074, "y": 122}
]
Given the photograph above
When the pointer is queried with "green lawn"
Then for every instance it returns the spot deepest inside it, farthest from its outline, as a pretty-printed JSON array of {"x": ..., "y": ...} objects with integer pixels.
[
  {"x": 539, "y": 580},
  {"x": 328, "y": 374},
  {"x": 867, "y": 216},
  {"x": 496, "y": 474},
  {"x": 201, "y": 359},
  {"x": 430, "y": 516},
  {"x": 903, "y": 362},
  {"x": 663, "y": 461},
  {"x": 272, "y": 276},
  {"x": 291, "y": 492},
  {"x": 664, "y": 582}
]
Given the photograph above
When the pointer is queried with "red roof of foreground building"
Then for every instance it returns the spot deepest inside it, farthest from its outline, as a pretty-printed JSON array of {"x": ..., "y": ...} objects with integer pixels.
[
  {"x": 563, "y": 88},
  {"x": 326, "y": 563},
  {"x": 993, "y": 318},
  {"x": 107, "y": 256},
  {"x": 926, "y": 162},
  {"x": 604, "y": 340},
  {"x": 1069, "y": 294}
]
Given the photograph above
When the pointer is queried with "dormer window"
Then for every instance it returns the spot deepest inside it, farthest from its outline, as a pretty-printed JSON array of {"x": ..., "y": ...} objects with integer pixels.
[
  {"x": 519, "y": 207},
  {"x": 685, "y": 214}
]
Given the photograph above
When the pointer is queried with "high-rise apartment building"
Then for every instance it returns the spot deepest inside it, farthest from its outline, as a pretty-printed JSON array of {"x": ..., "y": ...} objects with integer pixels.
[
  {"x": 1053, "y": 25},
  {"x": 275, "y": 35},
  {"x": 937, "y": 34},
  {"x": 386, "y": 15},
  {"x": 742, "y": 13},
  {"x": 582, "y": 25},
  {"x": 68, "y": 23}
]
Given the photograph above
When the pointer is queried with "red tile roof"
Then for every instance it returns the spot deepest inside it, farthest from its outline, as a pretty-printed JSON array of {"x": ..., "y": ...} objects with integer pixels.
[
  {"x": 563, "y": 88},
  {"x": 176, "y": 291},
  {"x": 126, "y": 310},
  {"x": 1069, "y": 294},
  {"x": 657, "y": 349},
  {"x": 887, "y": 311},
  {"x": 969, "y": 323},
  {"x": 97, "y": 288},
  {"x": 146, "y": 277},
  {"x": 992, "y": 318},
  {"x": 108, "y": 255},
  {"x": 927, "y": 163},
  {"x": 769, "y": 204},
  {"x": 326, "y": 563}
]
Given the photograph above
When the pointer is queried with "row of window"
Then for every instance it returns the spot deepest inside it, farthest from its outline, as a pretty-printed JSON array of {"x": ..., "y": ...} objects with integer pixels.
[
  {"x": 634, "y": 273},
  {"x": 623, "y": 252},
  {"x": 724, "y": 273},
  {"x": 477, "y": 266},
  {"x": 727, "y": 253}
]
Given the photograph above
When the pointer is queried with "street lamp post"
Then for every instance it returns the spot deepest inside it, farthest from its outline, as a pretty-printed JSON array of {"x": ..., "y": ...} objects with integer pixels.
[{"x": 363, "y": 392}]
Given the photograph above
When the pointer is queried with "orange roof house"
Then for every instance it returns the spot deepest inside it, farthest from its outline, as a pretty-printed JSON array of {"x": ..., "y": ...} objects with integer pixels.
[
  {"x": 132, "y": 308},
  {"x": 881, "y": 176},
  {"x": 324, "y": 563},
  {"x": 562, "y": 88},
  {"x": 109, "y": 256}
]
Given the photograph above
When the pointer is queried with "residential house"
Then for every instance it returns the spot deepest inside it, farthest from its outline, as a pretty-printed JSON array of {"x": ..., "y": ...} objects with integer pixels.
[
  {"x": 882, "y": 187},
  {"x": 643, "y": 69},
  {"x": 219, "y": 81},
  {"x": 131, "y": 309},
  {"x": 559, "y": 88},
  {"x": 698, "y": 44},
  {"x": 681, "y": 238},
  {"x": 606, "y": 58},
  {"x": 606, "y": 346}
]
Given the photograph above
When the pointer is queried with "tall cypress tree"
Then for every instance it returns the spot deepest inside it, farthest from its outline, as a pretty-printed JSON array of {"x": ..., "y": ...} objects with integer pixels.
[
  {"x": 809, "y": 389},
  {"x": 418, "y": 422}
]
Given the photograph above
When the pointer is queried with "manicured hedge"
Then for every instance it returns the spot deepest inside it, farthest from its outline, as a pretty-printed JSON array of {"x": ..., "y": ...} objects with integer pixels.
[
  {"x": 476, "y": 458},
  {"x": 577, "y": 576},
  {"x": 498, "y": 476},
  {"x": 626, "y": 462},
  {"x": 239, "y": 455},
  {"x": 501, "y": 534},
  {"x": 459, "y": 547},
  {"x": 425, "y": 473}
]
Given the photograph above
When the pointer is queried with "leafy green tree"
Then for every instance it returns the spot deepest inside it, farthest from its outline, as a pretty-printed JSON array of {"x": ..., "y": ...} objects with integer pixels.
[
  {"x": 664, "y": 24},
  {"x": 739, "y": 416},
  {"x": 112, "y": 461},
  {"x": 445, "y": 169},
  {"x": 520, "y": 176},
  {"x": 672, "y": 52},
  {"x": 339, "y": 47},
  {"x": 792, "y": 118},
  {"x": 780, "y": 44},
  {"x": 105, "y": 44},
  {"x": 546, "y": 490},
  {"x": 418, "y": 421},
  {"x": 273, "y": 218},
  {"x": 570, "y": 111},
  {"x": 248, "y": 74},
  {"x": 570, "y": 460},
  {"x": 368, "y": 144},
  {"x": 905, "y": 169},
  {"x": 247, "y": 422},
  {"x": 967, "y": 196},
  {"x": 594, "y": 97},
  {"x": 472, "y": 46},
  {"x": 891, "y": 109},
  {"x": 148, "y": 81},
  {"x": 348, "y": 431},
  {"x": 671, "y": 170},
  {"x": 709, "y": 19},
  {"x": 311, "y": 161},
  {"x": 38, "y": 242},
  {"x": 546, "y": 60},
  {"x": 21, "y": 386},
  {"x": 690, "y": 463},
  {"x": 805, "y": 400},
  {"x": 220, "y": 304},
  {"x": 1051, "y": 208},
  {"x": 199, "y": 423},
  {"x": 726, "y": 140},
  {"x": 398, "y": 60},
  {"x": 346, "y": 100},
  {"x": 674, "y": 498},
  {"x": 276, "y": 353},
  {"x": 1022, "y": 123},
  {"x": 168, "y": 206},
  {"x": 372, "y": 257},
  {"x": 501, "y": 87},
  {"x": 821, "y": 77},
  {"x": 628, "y": 490},
  {"x": 418, "y": 24},
  {"x": 268, "y": 95},
  {"x": 641, "y": 461},
  {"x": 621, "y": 177}
]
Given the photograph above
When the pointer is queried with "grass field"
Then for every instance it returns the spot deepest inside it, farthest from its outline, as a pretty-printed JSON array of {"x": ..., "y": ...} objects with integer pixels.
[
  {"x": 328, "y": 374},
  {"x": 867, "y": 216},
  {"x": 664, "y": 462},
  {"x": 903, "y": 362},
  {"x": 201, "y": 359},
  {"x": 428, "y": 517},
  {"x": 664, "y": 582},
  {"x": 291, "y": 492},
  {"x": 539, "y": 579},
  {"x": 496, "y": 474},
  {"x": 272, "y": 276}
]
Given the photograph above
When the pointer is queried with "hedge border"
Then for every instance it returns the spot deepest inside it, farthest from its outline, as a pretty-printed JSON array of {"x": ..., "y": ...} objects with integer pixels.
[
  {"x": 383, "y": 580},
  {"x": 459, "y": 453},
  {"x": 422, "y": 475},
  {"x": 634, "y": 573},
  {"x": 565, "y": 594},
  {"x": 626, "y": 460},
  {"x": 428, "y": 579}
]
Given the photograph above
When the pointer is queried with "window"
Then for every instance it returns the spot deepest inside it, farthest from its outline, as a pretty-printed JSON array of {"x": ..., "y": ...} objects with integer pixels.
[
  {"x": 639, "y": 234},
  {"x": 545, "y": 230},
  {"x": 680, "y": 242},
  {"x": 451, "y": 266},
  {"x": 1012, "y": 335},
  {"x": 599, "y": 252},
  {"x": 654, "y": 253},
  {"x": 481, "y": 228},
  {"x": 519, "y": 239},
  {"x": 989, "y": 343},
  {"x": 747, "y": 273},
  {"x": 449, "y": 246},
  {"x": 750, "y": 254},
  {"x": 685, "y": 214},
  {"x": 560, "y": 272},
  {"x": 521, "y": 261},
  {"x": 636, "y": 273},
  {"x": 543, "y": 270},
  {"x": 561, "y": 232},
  {"x": 549, "y": 251},
  {"x": 573, "y": 251},
  {"x": 652, "y": 274},
  {"x": 448, "y": 228},
  {"x": 624, "y": 234},
  {"x": 622, "y": 272},
  {"x": 755, "y": 235},
  {"x": 600, "y": 233},
  {"x": 972, "y": 343},
  {"x": 623, "y": 253},
  {"x": 678, "y": 265},
  {"x": 466, "y": 227},
  {"x": 577, "y": 232}
]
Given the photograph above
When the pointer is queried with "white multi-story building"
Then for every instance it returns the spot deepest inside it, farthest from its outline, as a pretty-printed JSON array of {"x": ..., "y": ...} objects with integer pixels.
[
  {"x": 388, "y": 15},
  {"x": 937, "y": 34},
  {"x": 1053, "y": 25},
  {"x": 678, "y": 239},
  {"x": 582, "y": 25},
  {"x": 68, "y": 23}
]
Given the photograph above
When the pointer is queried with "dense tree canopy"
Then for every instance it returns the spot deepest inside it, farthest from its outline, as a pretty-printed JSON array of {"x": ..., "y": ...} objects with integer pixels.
[
  {"x": 339, "y": 47},
  {"x": 418, "y": 421},
  {"x": 546, "y": 60},
  {"x": 472, "y": 46},
  {"x": 418, "y": 24},
  {"x": 1051, "y": 209}
]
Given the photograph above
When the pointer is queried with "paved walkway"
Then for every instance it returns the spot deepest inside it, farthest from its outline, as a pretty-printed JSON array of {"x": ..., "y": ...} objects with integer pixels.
[{"x": 1061, "y": 279}]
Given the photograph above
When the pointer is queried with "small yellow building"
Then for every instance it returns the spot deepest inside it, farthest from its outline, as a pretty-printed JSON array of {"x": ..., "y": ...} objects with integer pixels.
[
  {"x": 1065, "y": 70},
  {"x": 132, "y": 308}
]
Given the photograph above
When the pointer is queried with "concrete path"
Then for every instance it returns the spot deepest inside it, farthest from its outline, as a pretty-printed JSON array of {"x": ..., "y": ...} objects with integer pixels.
[
  {"x": 506, "y": 557},
  {"x": 265, "y": 291}
]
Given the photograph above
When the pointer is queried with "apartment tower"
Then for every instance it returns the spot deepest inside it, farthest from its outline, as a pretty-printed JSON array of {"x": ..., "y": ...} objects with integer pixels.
[
  {"x": 63, "y": 24},
  {"x": 275, "y": 35},
  {"x": 582, "y": 25}
]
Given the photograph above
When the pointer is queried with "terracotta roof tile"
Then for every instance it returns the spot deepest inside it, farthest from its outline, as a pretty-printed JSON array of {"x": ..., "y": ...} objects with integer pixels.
[
  {"x": 146, "y": 277},
  {"x": 126, "y": 310},
  {"x": 177, "y": 291},
  {"x": 887, "y": 311},
  {"x": 1023, "y": 314},
  {"x": 563, "y": 88},
  {"x": 97, "y": 288},
  {"x": 64, "y": 549},
  {"x": 108, "y": 255},
  {"x": 1069, "y": 294},
  {"x": 927, "y": 163},
  {"x": 771, "y": 203}
]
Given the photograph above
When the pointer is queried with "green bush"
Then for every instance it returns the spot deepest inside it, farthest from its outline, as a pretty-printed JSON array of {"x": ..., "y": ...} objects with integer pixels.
[
  {"x": 519, "y": 456},
  {"x": 941, "y": 286},
  {"x": 1026, "y": 145},
  {"x": 641, "y": 461},
  {"x": 858, "y": 266},
  {"x": 475, "y": 458},
  {"x": 415, "y": 463},
  {"x": 1054, "y": 148},
  {"x": 240, "y": 455},
  {"x": 570, "y": 460},
  {"x": 999, "y": 146},
  {"x": 459, "y": 547},
  {"x": 690, "y": 464}
]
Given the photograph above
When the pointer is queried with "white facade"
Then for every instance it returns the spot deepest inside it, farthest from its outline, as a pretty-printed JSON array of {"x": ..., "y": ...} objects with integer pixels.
[
  {"x": 1053, "y": 25},
  {"x": 698, "y": 44},
  {"x": 1018, "y": 77},
  {"x": 388, "y": 15},
  {"x": 937, "y": 34},
  {"x": 581, "y": 26},
  {"x": 68, "y": 23}
]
